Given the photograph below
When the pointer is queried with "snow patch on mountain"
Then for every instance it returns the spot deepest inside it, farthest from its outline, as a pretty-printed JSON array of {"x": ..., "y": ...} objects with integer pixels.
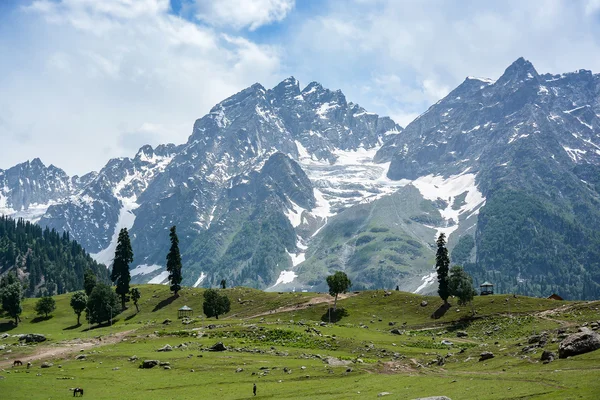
[
  {"x": 428, "y": 280},
  {"x": 144, "y": 269},
  {"x": 126, "y": 220},
  {"x": 433, "y": 187},
  {"x": 285, "y": 277},
  {"x": 161, "y": 278},
  {"x": 200, "y": 279}
]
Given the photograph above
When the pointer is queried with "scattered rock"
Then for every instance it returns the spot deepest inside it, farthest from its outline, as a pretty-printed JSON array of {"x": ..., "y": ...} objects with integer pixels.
[
  {"x": 397, "y": 331},
  {"x": 115, "y": 369},
  {"x": 33, "y": 338},
  {"x": 46, "y": 365},
  {"x": 447, "y": 343},
  {"x": 167, "y": 321},
  {"x": 81, "y": 357},
  {"x": 383, "y": 394},
  {"x": 166, "y": 347},
  {"x": 434, "y": 398},
  {"x": 218, "y": 347},
  {"x": 147, "y": 364},
  {"x": 4, "y": 336},
  {"x": 424, "y": 303},
  {"x": 579, "y": 343},
  {"x": 348, "y": 369},
  {"x": 239, "y": 370},
  {"x": 486, "y": 355},
  {"x": 166, "y": 367},
  {"x": 164, "y": 364},
  {"x": 548, "y": 356},
  {"x": 461, "y": 334},
  {"x": 133, "y": 358}
]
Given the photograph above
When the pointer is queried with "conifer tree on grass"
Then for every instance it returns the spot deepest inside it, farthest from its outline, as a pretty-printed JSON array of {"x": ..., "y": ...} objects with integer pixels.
[
  {"x": 174, "y": 262},
  {"x": 11, "y": 294},
  {"x": 442, "y": 265},
  {"x": 120, "y": 273},
  {"x": 89, "y": 281}
]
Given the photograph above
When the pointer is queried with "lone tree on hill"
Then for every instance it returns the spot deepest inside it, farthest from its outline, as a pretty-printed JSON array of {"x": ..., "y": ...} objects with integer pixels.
[
  {"x": 120, "y": 271},
  {"x": 215, "y": 304},
  {"x": 338, "y": 283},
  {"x": 102, "y": 305},
  {"x": 89, "y": 281},
  {"x": 461, "y": 285},
  {"x": 11, "y": 293},
  {"x": 135, "y": 296},
  {"x": 442, "y": 264},
  {"x": 174, "y": 262},
  {"x": 223, "y": 284},
  {"x": 78, "y": 303},
  {"x": 45, "y": 306}
]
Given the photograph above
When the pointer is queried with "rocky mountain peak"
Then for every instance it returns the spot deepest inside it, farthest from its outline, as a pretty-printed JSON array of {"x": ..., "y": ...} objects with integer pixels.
[{"x": 520, "y": 70}]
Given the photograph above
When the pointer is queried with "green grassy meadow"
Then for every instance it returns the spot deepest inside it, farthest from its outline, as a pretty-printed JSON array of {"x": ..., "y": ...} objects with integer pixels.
[{"x": 283, "y": 343}]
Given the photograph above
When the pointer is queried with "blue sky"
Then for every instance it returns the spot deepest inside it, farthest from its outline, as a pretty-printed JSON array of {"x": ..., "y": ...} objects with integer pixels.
[{"x": 82, "y": 81}]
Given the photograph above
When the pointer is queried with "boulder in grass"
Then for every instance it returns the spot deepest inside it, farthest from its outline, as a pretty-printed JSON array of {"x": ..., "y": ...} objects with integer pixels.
[
  {"x": 218, "y": 347},
  {"x": 33, "y": 338},
  {"x": 46, "y": 365},
  {"x": 461, "y": 334},
  {"x": 486, "y": 355},
  {"x": 548, "y": 356},
  {"x": 434, "y": 398},
  {"x": 166, "y": 347},
  {"x": 581, "y": 342},
  {"x": 147, "y": 364}
]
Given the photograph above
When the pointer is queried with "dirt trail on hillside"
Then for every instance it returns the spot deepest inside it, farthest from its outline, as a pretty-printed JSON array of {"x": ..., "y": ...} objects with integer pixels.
[
  {"x": 315, "y": 300},
  {"x": 65, "y": 348}
]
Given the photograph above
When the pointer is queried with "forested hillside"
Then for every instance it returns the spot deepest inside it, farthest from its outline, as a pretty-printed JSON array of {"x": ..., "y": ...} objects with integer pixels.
[{"x": 46, "y": 262}]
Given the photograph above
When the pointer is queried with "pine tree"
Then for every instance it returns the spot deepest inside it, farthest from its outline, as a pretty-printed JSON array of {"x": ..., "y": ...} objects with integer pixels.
[
  {"x": 89, "y": 281},
  {"x": 120, "y": 271},
  {"x": 174, "y": 262},
  {"x": 442, "y": 265}
]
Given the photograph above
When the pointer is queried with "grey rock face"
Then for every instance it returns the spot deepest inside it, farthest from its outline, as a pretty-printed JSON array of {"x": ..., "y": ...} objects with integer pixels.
[
  {"x": 33, "y": 338},
  {"x": 579, "y": 343}
]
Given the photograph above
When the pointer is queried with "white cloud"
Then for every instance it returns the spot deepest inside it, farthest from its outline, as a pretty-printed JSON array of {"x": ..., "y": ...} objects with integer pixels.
[
  {"x": 431, "y": 46},
  {"x": 84, "y": 80},
  {"x": 243, "y": 13}
]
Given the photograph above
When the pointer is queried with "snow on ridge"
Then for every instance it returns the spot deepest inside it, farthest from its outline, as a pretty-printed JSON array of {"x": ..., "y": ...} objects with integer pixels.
[
  {"x": 433, "y": 187},
  {"x": 486, "y": 80},
  {"x": 200, "y": 279},
  {"x": 324, "y": 109},
  {"x": 144, "y": 269},
  {"x": 161, "y": 278}
]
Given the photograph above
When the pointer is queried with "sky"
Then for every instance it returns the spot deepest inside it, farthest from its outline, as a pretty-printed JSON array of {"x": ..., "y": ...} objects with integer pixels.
[{"x": 83, "y": 81}]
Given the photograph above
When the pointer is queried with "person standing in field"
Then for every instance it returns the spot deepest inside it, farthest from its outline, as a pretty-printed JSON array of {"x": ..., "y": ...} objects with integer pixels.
[{"x": 254, "y": 389}]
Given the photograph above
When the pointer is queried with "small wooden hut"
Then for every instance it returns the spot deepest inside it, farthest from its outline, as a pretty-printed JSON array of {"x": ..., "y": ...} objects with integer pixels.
[
  {"x": 554, "y": 296},
  {"x": 486, "y": 288},
  {"x": 185, "y": 311}
]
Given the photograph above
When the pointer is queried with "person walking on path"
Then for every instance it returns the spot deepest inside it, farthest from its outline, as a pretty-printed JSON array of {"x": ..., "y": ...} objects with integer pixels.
[{"x": 254, "y": 389}]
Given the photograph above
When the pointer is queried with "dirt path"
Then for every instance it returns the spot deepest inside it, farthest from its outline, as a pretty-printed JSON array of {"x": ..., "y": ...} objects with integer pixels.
[
  {"x": 302, "y": 306},
  {"x": 65, "y": 348}
]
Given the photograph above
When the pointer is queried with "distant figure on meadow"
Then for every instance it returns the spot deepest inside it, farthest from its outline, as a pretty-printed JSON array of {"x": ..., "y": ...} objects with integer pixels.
[{"x": 254, "y": 389}]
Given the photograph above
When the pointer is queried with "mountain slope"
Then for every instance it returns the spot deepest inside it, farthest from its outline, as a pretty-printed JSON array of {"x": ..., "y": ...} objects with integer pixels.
[
  {"x": 532, "y": 142},
  {"x": 46, "y": 261}
]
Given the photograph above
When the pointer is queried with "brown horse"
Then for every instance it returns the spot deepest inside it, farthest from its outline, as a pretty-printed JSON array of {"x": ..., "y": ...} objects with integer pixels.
[
  {"x": 17, "y": 362},
  {"x": 76, "y": 391}
]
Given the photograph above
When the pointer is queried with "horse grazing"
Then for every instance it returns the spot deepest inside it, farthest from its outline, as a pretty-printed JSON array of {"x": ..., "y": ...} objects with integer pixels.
[
  {"x": 17, "y": 362},
  {"x": 77, "y": 390}
]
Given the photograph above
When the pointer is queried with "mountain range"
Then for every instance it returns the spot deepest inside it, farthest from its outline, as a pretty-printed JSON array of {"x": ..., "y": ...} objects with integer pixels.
[{"x": 276, "y": 188}]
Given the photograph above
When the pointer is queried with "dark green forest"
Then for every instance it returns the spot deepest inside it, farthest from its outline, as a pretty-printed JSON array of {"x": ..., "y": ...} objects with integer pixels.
[
  {"x": 47, "y": 262},
  {"x": 528, "y": 246}
]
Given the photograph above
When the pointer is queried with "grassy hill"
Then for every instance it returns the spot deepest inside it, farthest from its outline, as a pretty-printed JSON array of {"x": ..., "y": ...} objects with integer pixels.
[{"x": 282, "y": 343}]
